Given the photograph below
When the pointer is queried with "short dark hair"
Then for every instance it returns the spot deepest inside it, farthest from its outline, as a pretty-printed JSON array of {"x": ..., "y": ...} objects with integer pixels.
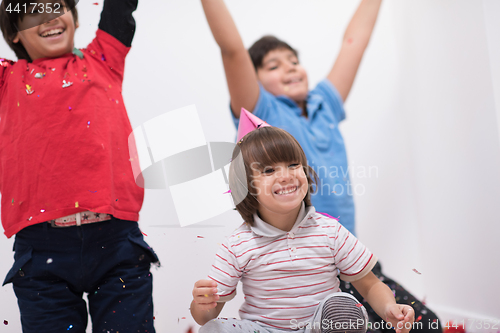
[
  {"x": 263, "y": 46},
  {"x": 265, "y": 146},
  {"x": 9, "y": 21}
]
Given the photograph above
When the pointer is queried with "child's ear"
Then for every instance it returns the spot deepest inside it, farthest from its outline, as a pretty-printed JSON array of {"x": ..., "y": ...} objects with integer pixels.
[
  {"x": 77, "y": 24},
  {"x": 16, "y": 38}
]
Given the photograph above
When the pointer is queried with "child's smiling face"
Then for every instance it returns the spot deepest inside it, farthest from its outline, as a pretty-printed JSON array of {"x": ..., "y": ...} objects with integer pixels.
[
  {"x": 282, "y": 74},
  {"x": 48, "y": 40},
  {"x": 280, "y": 189}
]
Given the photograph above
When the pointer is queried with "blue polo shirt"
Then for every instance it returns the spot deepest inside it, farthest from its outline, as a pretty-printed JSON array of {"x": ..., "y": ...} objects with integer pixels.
[{"x": 319, "y": 136}]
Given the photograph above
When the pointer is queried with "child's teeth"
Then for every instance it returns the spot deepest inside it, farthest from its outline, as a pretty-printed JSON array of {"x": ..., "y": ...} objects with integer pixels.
[{"x": 289, "y": 191}]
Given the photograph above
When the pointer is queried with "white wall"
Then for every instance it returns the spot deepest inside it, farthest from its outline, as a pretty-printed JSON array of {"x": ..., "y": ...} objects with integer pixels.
[{"x": 424, "y": 112}]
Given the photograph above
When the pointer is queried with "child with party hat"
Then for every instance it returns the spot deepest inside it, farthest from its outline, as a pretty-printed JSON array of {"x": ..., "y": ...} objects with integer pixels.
[
  {"x": 285, "y": 253},
  {"x": 270, "y": 82}
]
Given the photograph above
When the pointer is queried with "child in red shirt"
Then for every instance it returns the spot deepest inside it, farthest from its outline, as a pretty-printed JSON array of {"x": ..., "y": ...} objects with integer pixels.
[{"x": 68, "y": 191}]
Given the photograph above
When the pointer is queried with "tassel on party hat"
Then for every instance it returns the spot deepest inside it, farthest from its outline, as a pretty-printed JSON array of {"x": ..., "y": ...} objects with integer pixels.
[{"x": 248, "y": 122}]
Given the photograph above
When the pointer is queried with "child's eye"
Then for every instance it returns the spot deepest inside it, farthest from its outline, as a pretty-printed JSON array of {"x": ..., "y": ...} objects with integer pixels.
[
  {"x": 273, "y": 68},
  {"x": 268, "y": 171},
  {"x": 294, "y": 165}
]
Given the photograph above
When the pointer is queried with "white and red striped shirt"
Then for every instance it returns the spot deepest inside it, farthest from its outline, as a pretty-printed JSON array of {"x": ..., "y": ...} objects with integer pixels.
[{"x": 285, "y": 275}]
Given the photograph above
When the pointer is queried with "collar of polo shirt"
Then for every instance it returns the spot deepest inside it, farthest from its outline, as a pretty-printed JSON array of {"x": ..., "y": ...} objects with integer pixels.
[{"x": 265, "y": 229}]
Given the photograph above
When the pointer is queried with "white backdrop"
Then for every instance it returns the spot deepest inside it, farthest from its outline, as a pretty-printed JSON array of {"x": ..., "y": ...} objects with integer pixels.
[{"x": 424, "y": 113}]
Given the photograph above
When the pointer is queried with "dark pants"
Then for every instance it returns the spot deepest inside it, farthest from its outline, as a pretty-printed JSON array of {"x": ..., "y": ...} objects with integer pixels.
[
  {"x": 108, "y": 260},
  {"x": 429, "y": 321}
]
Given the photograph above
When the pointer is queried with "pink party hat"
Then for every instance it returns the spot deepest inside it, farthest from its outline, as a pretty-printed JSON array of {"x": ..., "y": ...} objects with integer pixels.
[{"x": 249, "y": 122}]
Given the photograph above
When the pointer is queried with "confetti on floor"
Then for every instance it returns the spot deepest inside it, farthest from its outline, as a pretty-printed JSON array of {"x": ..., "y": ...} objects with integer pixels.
[{"x": 416, "y": 271}]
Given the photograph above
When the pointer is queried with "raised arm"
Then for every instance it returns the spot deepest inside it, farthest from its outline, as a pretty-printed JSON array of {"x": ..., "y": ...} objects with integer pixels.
[
  {"x": 117, "y": 20},
  {"x": 356, "y": 38},
  {"x": 240, "y": 73}
]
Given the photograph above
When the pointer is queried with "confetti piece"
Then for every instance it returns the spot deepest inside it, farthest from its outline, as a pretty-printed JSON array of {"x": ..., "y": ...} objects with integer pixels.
[
  {"x": 30, "y": 218},
  {"x": 144, "y": 234},
  {"x": 96, "y": 3},
  {"x": 122, "y": 280},
  {"x": 49, "y": 261},
  {"x": 200, "y": 236},
  {"x": 227, "y": 192},
  {"x": 359, "y": 305},
  {"x": 42, "y": 210},
  {"x": 418, "y": 319},
  {"x": 39, "y": 75},
  {"x": 206, "y": 295},
  {"x": 76, "y": 204},
  {"x": 5, "y": 322},
  {"x": 70, "y": 108},
  {"x": 67, "y": 84},
  {"x": 12, "y": 201},
  {"x": 103, "y": 58},
  {"x": 416, "y": 271},
  {"x": 29, "y": 89},
  {"x": 412, "y": 302}
]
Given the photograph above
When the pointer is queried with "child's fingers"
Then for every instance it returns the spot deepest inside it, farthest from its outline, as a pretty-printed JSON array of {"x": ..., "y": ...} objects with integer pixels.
[
  {"x": 205, "y": 283},
  {"x": 204, "y": 291}
]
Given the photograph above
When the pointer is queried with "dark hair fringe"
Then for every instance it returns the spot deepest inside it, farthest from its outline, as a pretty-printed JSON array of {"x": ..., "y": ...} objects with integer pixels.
[
  {"x": 263, "y": 46},
  {"x": 8, "y": 22},
  {"x": 265, "y": 146}
]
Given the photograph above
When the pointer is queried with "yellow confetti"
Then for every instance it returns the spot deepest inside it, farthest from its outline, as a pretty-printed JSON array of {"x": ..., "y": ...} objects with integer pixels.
[
  {"x": 76, "y": 204},
  {"x": 206, "y": 295},
  {"x": 122, "y": 280},
  {"x": 17, "y": 104}
]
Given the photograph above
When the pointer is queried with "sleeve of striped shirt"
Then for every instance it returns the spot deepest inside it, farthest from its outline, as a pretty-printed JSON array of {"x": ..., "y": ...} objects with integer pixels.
[
  {"x": 352, "y": 258},
  {"x": 226, "y": 272}
]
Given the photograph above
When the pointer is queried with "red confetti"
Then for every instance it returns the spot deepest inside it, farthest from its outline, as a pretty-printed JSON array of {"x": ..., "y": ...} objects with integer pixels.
[
  {"x": 416, "y": 271},
  {"x": 359, "y": 305},
  {"x": 418, "y": 318},
  {"x": 96, "y": 3},
  {"x": 5, "y": 322},
  {"x": 200, "y": 236},
  {"x": 144, "y": 234}
]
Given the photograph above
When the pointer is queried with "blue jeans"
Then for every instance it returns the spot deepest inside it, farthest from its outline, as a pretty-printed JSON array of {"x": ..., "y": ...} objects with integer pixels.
[{"x": 108, "y": 260}]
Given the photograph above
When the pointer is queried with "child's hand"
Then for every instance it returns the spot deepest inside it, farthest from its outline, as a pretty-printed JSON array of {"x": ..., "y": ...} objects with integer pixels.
[
  {"x": 205, "y": 294},
  {"x": 401, "y": 317}
]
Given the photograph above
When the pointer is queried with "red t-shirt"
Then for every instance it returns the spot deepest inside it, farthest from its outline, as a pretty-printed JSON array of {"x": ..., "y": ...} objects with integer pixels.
[{"x": 64, "y": 137}]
